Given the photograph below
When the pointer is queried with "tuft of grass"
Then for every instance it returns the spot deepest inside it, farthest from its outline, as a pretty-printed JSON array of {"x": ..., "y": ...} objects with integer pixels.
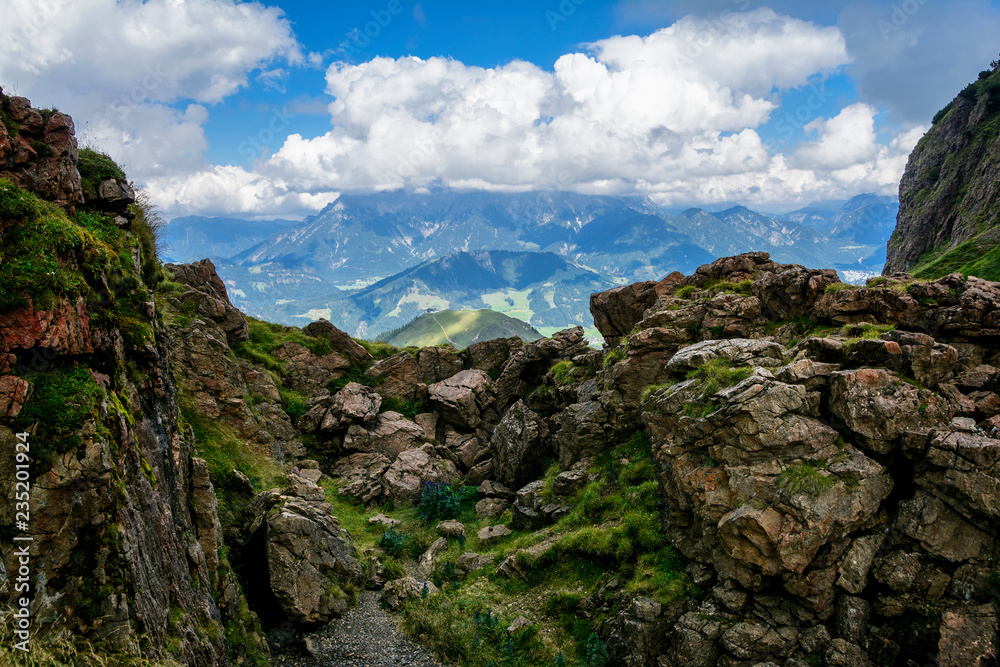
[
  {"x": 866, "y": 331},
  {"x": 806, "y": 478},
  {"x": 63, "y": 399},
  {"x": 293, "y": 403},
  {"x": 95, "y": 167},
  {"x": 379, "y": 349},
  {"x": 719, "y": 373},
  {"x": 685, "y": 291},
  {"x": 409, "y": 409},
  {"x": 614, "y": 356},
  {"x": 563, "y": 372},
  {"x": 833, "y": 288},
  {"x": 59, "y": 652}
]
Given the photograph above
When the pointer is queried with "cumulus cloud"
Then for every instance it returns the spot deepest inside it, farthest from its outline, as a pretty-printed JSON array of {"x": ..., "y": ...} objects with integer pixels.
[
  {"x": 673, "y": 115},
  {"x": 122, "y": 65}
]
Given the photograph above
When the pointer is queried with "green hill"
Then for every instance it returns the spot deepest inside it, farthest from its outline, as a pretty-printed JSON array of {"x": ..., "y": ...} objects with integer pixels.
[{"x": 459, "y": 328}]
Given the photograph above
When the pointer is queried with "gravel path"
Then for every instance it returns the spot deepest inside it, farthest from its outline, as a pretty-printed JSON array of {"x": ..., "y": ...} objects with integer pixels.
[{"x": 367, "y": 636}]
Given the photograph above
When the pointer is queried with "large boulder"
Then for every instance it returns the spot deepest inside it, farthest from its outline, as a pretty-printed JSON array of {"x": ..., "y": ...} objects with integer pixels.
[
  {"x": 519, "y": 443},
  {"x": 390, "y": 434},
  {"x": 354, "y": 404},
  {"x": 340, "y": 341},
  {"x": 405, "y": 477},
  {"x": 738, "y": 351},
  {"x": 361, "y": 475},
  {"x": 617, "y": 310},
  {"x": 308, "y": 556},
  {"x": 879, "y": 408},
  {"x": 461, "y": 398}
]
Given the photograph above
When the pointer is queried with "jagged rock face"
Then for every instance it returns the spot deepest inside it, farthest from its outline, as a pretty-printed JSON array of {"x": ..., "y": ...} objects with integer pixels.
[
  {"x": 216, "y": 382},
  {"x": 38, "y": 151},
  {"x": 210, "y": 299},
  {"x": 461, "y": 398},
  {"x": 949, "y": 192},
  {"x": 342, "y": 343},
  {"x": 834, "y": 489},
  {"x": 124, "y": 518},
  {"x": 519, "y": 444},
  {"x": 307, "y": 555}
]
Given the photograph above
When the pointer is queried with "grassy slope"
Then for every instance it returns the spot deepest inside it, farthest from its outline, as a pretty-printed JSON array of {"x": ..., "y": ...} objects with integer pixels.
[
  {"x": 460, "y": 328},
  {"x": 612, "y": 531}
]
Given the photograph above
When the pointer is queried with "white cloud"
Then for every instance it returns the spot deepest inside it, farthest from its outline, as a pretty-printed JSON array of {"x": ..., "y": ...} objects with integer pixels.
[
  {"x": 673, "y": 115},
  {"x": 844, "y": 140},
  {"x": 120, "y": 66}
]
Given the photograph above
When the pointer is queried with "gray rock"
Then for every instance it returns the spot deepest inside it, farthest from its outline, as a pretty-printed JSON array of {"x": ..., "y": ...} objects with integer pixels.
[
  {"x": 519, "y": 443},
  {"x": 451, "y": 529},
  {"x": 399, "y": 591},
  {"x": 492, "y": 534},
  {"x": 307, "y": 554}
]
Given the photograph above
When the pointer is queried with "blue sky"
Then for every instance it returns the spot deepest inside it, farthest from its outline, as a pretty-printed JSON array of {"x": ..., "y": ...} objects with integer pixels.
[{"x": 273, "y": 109}]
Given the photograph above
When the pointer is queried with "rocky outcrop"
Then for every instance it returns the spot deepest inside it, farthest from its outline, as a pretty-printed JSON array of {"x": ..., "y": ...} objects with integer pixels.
[
  {"x": 308, "y": 556},
  {"x": 949, "y": 192},
  {"x": 831, "y": 483},
  {"x": 38, "y": 151},
  {"x": 207, "y": 297},
  {"x": 519, "y": 444}
]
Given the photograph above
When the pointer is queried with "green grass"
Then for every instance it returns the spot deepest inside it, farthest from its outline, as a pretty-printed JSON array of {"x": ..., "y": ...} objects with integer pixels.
[
  {"x": 867, "y": 331},
  {"x": 96, "y": 167},
  {"x": 685, "y": 291},
  {"x": 293, "y": 403},
  {"x": 979, "y": 257},
  {"x": 59, "y": 652},
  {"x": 806, "y": 478},
  {"x": 63, "y": 399},
  {"x": 612, "y": 357},
  {"x": 719, "y": 373},
  {"x": 833, "y": 288},
  {"x": 742, "y": 287},
  {"x": 224, "y": 451},
  {"x": 409, "y": 409},
  {"x": 614, "y": 528}
]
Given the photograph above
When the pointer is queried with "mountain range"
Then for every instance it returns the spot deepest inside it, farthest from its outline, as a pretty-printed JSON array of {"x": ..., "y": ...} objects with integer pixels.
[{"x": 373, "y": 262}]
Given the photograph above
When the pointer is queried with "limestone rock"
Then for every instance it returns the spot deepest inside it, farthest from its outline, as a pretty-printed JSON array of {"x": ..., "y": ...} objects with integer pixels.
[
  {"x": 307, "y": 555},
  {"x": 451, "y": 529},
  {"x": 492, "y": 534},
  {"x": 398, "y": 592},
  {"x": 617, "y": 310},
  {"x": 361, "y": 475},
  {"x": 469, "y": 562},
  {"x": 391, "y": 434},
  {"x": 210, "y": 298},
  {"x": 491, "y": 507},
  {"x": 461, "y": 398},
  {"x": 342, "y": 343},
  {"x": 519, "y": 444},
  {"x": 405, "y": 477},
  {"x": 739, "y": 351},
  {"x": 968, "y": 637},
  {"x": 425, "y": 564}
]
